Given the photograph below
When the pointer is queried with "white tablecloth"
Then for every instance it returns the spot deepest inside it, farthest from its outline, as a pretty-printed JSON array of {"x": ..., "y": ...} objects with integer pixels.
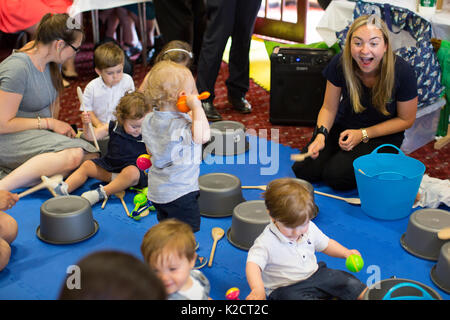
[
  {"x": 87, "y": 5},
  {"x": 339, "y": 14}
]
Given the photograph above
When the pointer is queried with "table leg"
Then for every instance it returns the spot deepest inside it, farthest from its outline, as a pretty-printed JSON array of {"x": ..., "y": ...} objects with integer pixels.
[
  {"x": 95, "y": 26},
  {"x": 143, "y": 25}
]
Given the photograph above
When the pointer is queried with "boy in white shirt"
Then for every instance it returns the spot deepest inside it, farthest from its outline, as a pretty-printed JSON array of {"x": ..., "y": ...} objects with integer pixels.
[
  {"x": 102, "y": 95},
  {"x": 281, "y": 264}
]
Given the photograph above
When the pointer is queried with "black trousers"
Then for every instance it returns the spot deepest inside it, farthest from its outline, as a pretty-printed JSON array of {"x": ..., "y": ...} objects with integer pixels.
[
  {"x": 183, "y": 20},
  {"x": 235, "y": 18},
  {"x": 334, "y": 166}
]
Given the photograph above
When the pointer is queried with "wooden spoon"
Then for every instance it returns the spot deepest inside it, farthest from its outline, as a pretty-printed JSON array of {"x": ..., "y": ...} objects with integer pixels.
[
  {"x": 444, "y": 234},
  {"x": 217, "y": 234},
  {"x": 44, "y": 184},
  {"x": 300, "y": 157},
  {"x": 262, "y": 187},
  {"x": 348, "y": 200},
  {"x": 120, "y": 195},
  {"x": 91, "y": 127}
]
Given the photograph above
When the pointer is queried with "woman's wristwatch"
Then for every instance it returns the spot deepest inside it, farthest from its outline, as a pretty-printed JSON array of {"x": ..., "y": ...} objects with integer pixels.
[
  {"x": 365, "y": 136},
  {"x": 321, "y": 130}
]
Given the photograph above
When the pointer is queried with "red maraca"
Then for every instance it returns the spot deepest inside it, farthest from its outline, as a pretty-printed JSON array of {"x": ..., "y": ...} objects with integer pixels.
[
  {"x": 232, "y": 294},
  {"x": 143, "y": 162},
  {"x": 181, "y": 103}
]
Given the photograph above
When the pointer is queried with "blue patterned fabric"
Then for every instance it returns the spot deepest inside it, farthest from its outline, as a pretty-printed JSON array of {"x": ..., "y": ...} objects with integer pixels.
[{"x": 421, "y": 56}]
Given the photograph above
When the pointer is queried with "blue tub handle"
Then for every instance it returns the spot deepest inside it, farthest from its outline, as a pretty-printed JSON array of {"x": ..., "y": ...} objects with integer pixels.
[
  {"x": 400, "y": 152},
  {"x": 425, "y": 294}
]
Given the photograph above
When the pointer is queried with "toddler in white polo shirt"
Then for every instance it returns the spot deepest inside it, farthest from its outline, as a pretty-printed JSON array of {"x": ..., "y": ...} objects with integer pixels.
[
  {"x": 282, "y": 265},
  {"x": 102, "y": 95}
]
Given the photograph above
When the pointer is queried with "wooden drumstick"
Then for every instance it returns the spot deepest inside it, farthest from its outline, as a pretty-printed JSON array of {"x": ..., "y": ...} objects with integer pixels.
[
  {"x": 300, "y": 157},
  {"x": 104, "y": 203},
  {"x": 44, "y": 184},
  {"x": 356, "y": 201},
  {"x": 91, "y": 128}
]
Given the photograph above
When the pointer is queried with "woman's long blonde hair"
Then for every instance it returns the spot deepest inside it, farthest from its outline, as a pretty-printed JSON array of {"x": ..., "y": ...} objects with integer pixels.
[{"x": 383, "y": 88}]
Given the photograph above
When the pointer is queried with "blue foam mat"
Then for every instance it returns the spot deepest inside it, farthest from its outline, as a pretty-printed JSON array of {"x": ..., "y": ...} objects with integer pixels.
[{"x": 37, "y": 270}]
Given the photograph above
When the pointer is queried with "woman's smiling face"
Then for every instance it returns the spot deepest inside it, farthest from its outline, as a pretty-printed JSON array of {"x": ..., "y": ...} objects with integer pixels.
[{"x": 368, "y": 48}]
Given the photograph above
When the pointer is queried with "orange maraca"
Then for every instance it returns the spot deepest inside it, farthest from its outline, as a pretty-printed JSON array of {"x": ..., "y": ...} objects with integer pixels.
[{"x": 181, "y": 103}]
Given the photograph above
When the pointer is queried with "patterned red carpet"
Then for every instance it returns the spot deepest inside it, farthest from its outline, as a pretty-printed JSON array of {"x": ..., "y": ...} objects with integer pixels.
[{"x": 436, "y": 161}]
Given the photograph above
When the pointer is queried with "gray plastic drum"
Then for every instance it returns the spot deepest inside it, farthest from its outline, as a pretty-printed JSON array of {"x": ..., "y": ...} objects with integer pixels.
[
  {"x": 420, "y": 238},
  {"x": 227, "y": 139},
  {"x": 440, "y": 273},
  {"x": 248, "y": 222},
  {"x": 219, "y": 194},
  {"x": 65, "y": 220}
]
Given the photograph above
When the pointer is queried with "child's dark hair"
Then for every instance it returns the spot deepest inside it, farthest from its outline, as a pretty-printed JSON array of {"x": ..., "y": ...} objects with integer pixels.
[
  {"x": 289, "y": 201},
  {"x": 132, "y": 105},
  {"x": 108, "y": 55},
  {"x": 114, "y": 275},
  {"x": 177, "y": 51},
  {"x": 56, "y": 27}
]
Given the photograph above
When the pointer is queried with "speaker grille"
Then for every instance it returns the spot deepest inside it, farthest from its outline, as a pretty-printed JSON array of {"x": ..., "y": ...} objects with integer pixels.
[{"x": 297, "y": 85}]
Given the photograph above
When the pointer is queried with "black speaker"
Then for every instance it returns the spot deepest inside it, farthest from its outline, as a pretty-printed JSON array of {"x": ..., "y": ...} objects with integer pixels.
[{"x": 297, "y": 86}]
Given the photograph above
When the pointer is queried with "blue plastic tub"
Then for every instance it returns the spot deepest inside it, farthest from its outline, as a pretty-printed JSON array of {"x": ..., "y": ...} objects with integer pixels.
[{"x": 387, "y": 183}]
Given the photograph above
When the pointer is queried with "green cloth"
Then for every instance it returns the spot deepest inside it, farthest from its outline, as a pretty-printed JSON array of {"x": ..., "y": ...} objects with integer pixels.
[
  {"x": 270, "y": 45},
  {"x": 443, "y": 56}
]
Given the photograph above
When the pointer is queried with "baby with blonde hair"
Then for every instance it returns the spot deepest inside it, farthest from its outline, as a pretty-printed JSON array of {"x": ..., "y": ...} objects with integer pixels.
[{"x": 174, "y": 140}]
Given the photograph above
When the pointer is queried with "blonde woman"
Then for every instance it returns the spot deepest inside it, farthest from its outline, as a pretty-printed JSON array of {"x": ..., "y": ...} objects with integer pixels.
[{"x": 370, "y": 99}]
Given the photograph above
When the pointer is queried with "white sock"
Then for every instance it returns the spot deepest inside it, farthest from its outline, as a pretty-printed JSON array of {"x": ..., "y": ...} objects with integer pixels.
[
  {"x": 60, "y": 187},
  {"x": 94, "y": 196}
]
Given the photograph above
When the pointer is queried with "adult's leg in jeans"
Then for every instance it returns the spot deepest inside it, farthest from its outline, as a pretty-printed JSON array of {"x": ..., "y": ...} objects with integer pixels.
[{"x": 239, "y": 65}]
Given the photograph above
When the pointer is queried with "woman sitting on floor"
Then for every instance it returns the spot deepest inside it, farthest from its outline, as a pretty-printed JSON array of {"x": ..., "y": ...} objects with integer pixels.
[
  {"x": 370, "y": 100},
  {"x": 34, "y": 142}
]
